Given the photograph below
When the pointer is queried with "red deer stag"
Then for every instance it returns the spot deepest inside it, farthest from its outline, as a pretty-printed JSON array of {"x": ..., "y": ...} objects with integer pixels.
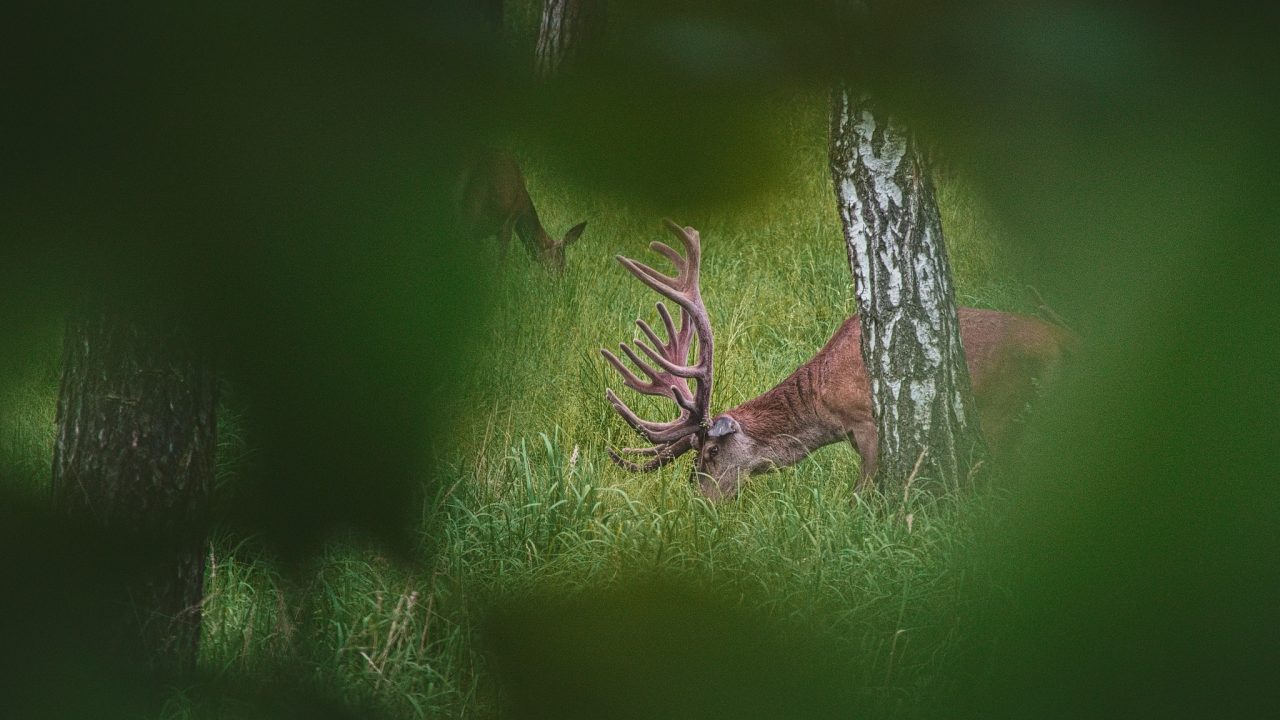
[
  {"x": 826, "y": 400},
  {"x": 493, "y": 200}
]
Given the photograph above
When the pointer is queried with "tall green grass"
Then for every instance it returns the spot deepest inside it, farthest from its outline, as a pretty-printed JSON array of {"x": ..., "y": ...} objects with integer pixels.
[
  {"x": 28, "y": 405},
  {"x": 874, "y": 573}
]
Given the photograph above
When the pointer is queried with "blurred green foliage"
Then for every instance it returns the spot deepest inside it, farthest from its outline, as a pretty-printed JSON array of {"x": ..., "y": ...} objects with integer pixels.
[{"x": 281, "y": 176}]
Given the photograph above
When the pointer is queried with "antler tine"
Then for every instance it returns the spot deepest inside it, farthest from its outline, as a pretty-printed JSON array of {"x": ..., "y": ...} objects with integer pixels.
[
  {"x": 659, "y": 384},
  {"x": 640, "y": 426},
  {"x": 671, "y": 349},
  {"x": 679, "y": 341},
  {"x": 686, "y": 331},
  {"x": 654, "y": 432},
  {"x": 628, "y": 378},
  {"x": 665, "y": 285},
  {"x": 678, "y": 338},
  {"x": 662, "y": 455},
  {"x": 645, "y": 367},
  {"x": 676, "y": 258},
  {"x": 631, "y": 466},
  {"x": 682, "y": 371},
  {"x": 692, "y": 244},
  {"x": 666, "y": 346},
  {"x": 684, "y": 401},
  {"x": 643, "y": 271}
]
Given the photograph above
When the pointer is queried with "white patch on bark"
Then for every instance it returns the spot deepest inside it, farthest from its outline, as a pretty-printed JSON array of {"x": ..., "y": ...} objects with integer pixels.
[
  {"x": 926, "y": 288},
  {"x": 957, "y": 402},
  {"x": 857, "y": 233},
  {"x": 882, "y": 162},
  {"x": 928, "y": 340},
  {"x": 892, "y": 275},
  {"x": 890, "y": 325},
  {"x": 923, "y": 392},
  {"x": 895, "y": 389}
]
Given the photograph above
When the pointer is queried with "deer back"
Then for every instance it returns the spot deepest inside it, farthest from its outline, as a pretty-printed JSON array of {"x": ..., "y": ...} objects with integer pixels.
[
  {"x": 491, "y": 193},
  {"x": 828, "y": 398},
  {"x": 1009, "y": 357}
]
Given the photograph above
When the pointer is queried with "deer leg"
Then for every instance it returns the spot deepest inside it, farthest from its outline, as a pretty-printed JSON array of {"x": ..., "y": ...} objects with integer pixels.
[{"x": 863, "y": 438}]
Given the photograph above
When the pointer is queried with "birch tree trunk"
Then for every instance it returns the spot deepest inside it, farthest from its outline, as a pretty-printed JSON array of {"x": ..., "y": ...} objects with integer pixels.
[
  {"x": 568, "y": 29},
  {"x": 134, "y": 454},
  {"x": 920, "y": 389}
]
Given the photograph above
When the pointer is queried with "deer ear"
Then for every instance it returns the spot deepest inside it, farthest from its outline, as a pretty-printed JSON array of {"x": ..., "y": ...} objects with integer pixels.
[
  {"x": 573, "y": 233},
  {"x": 723, "y": 425}
]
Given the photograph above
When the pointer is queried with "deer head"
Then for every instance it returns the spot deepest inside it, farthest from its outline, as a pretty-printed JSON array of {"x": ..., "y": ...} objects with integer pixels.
[
  {"x": 727, "y": 453},
  {"x": 551, "y": 252}
]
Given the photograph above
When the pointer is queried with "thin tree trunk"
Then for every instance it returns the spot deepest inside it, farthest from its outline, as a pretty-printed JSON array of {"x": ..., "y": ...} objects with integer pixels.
[
  {"x": 568, "y": 30},
  {"x": 135, "y": 454},
  {"x": 920, "y": 389}
]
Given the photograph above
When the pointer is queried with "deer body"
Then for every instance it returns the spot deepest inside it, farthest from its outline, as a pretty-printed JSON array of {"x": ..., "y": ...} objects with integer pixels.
[
  {"x": 826, "y": 400},
  {"x": 492, "y": 200}
]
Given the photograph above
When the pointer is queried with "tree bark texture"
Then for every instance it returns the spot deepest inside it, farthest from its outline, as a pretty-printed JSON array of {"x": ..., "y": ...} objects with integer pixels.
[
  {"x": 569, "y": 28},
  {"x": 134, "y": 454},
  {"x": 920, "y": 387}
]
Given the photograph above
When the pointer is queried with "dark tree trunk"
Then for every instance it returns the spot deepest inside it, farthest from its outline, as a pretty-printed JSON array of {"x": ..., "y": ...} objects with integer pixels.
[
  {"x": 920, "y": 389},
  {"x": 135, "y": 455},
  {"x": 569, "y": 29}
]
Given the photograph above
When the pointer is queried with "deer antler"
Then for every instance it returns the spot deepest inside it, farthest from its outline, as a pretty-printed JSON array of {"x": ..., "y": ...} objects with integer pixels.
[{"x": 670, "y": 378}]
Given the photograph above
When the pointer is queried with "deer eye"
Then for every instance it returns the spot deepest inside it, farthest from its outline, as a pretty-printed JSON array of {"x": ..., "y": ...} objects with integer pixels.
[{"x": 713, "y": 451}]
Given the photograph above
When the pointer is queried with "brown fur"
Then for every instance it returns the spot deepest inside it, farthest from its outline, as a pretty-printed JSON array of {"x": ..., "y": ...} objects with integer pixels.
[{"x": 828, "y": 399}]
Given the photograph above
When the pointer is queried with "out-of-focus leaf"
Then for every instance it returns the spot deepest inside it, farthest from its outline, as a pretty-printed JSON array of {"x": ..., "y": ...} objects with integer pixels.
[
  {"x": 660, "y": 650},
  {"x": 282, "y": 177}
]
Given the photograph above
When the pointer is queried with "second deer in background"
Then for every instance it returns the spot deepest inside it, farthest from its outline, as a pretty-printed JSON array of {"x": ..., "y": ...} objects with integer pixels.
[{"x": 492, "y": 200}]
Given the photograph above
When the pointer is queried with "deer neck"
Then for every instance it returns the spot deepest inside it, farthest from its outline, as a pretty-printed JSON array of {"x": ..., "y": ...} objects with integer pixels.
[
  {"x": 531, "y": 232},
  {"x": 787, "y": 421}
]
